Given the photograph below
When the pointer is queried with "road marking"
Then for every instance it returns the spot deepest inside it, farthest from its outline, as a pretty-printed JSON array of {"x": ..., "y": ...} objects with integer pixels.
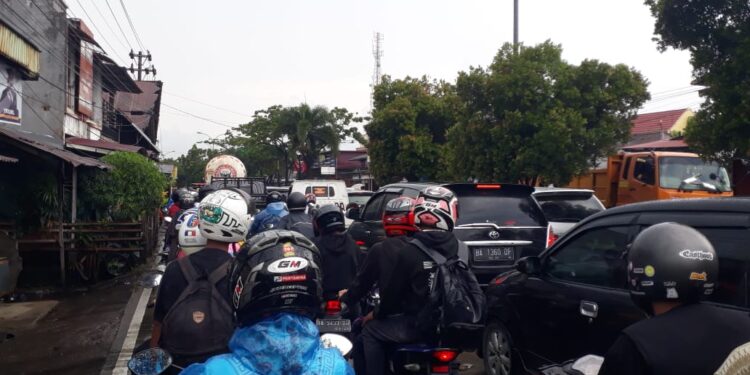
[{"x": 122, "y": 348}]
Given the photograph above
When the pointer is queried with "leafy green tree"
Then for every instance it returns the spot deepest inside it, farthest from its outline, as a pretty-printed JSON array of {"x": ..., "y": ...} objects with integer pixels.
[
  {"x": 407, "y": 132},
  {"x": 191, "y": 167},
  {"x": 130, "y": 189},
  {"x": 717, "y": 35},
  {"x": 531, "y": 117}
]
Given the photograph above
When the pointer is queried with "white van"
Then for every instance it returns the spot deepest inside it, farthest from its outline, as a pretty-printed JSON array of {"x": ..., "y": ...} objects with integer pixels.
[{"x": 326, "y": 191}]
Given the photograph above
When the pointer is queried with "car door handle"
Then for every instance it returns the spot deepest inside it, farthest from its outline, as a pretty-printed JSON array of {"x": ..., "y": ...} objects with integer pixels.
[{"x": 589, "y": 309}]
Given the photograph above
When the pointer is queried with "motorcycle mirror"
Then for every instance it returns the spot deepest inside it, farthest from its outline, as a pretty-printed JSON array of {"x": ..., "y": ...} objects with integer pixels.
[
  {"x": 151, "y": 279},
  {"x": 153, "y": 361},
  {"x": 168, "y": 219},
  {"x": 332, "y": 340}
]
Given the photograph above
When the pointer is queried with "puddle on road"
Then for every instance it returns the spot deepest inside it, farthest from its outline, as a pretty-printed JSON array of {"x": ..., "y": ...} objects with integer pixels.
[{"x": 5, "y": 336}]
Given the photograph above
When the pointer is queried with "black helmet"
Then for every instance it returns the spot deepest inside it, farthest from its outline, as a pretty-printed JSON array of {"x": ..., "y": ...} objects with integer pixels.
[
  {"x": 175, "y": 196},
  {"x": 204, "y": 191},
  {"x": 275, "y": 271},
  {"x": 671, "y": 262},
  {"x": 328, "y": 219},
  {"x": 187, "y": 201},
  {"x": 274, "y": 196},
  {"x": 296, "y": 202}
]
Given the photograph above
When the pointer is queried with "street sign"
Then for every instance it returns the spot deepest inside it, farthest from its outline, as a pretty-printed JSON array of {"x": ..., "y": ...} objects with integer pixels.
[{"x": 328, "y": 170}]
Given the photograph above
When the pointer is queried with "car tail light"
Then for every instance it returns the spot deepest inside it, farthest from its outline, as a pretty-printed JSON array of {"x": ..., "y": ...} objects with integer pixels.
[
  {"x": 444, "y": 355},
  {"x": 488, "y": 186},
  {"x": 552, "y": 237},
  {"x": 333, "y": 307}
]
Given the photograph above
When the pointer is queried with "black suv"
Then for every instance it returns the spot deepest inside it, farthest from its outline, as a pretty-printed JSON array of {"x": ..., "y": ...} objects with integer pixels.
[
  {"x": 572, "y": 300},
  {"x": 499, "y": 223}
]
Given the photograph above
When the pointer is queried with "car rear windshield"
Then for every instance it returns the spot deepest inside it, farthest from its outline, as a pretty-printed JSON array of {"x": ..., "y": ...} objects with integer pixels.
[
  {"x": 360, "y": 200},
  {"x": 569, "y": 208},
  {"x": 492, "y": 206}
]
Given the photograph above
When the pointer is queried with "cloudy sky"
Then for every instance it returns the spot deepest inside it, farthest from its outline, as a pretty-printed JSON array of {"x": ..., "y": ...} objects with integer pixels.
[{"x": 221, "y": 60}]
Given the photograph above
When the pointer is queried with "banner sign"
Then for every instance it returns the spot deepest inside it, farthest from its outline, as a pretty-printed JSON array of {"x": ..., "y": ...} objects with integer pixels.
[{"x": 10, "y": 95}]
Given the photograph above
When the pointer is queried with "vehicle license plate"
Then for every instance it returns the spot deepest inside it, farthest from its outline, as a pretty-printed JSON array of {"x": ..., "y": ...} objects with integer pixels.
[
  {"x": 334, "y": 325},
  {"x": 492, "y": 254}
]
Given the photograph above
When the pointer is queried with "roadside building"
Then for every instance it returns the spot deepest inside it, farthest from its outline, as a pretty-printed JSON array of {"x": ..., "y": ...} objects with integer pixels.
[{"x": 659, "y": 126}]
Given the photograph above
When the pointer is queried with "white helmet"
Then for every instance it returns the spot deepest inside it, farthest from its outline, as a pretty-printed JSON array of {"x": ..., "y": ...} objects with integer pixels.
[
  {"x": 189, "y": 235},
  {"x": 224, "y": 216},
  {"x": 183, "y": 216}
]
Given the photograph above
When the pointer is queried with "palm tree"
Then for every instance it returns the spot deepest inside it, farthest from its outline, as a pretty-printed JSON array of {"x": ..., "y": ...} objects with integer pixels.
[{"x": 311, "y": 130}]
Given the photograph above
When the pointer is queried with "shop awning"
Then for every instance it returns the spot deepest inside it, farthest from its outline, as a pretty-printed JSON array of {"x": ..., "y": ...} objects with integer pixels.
[
  {"x": 100, "y": 146},
  {"x": 69, "y": 157}
]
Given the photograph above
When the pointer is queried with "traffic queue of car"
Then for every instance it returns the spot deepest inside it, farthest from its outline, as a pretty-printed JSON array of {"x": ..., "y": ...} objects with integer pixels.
[{"x": 553, "y": 263}]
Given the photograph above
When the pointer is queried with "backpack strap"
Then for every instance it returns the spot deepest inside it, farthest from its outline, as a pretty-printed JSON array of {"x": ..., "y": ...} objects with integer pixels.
[
  {"x": 219, "y": 273},
  {"x": 434, "y": 255},
  {"x": 188, "y": 270}
]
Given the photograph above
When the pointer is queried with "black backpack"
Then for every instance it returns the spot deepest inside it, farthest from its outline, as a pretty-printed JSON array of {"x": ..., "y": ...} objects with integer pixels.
[
  {"x": 455, "y": 301},
  {"x": 201, "y": 320},
  {"x": 303, "y": 227}
]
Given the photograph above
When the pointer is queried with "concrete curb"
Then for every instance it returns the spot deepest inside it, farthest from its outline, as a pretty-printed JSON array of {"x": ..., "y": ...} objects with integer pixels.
[{"x": 127, "y": 333}]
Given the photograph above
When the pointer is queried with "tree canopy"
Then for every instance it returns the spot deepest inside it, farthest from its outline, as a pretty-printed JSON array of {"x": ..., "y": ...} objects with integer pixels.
[
  {"x": 717, "y": 35},
  {"x": 528, "y": 117},
  {"x": 407, "y": 134}
]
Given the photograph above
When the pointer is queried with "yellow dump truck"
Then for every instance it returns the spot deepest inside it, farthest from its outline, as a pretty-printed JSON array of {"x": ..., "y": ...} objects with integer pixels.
[{"x": 643, "y": 176}]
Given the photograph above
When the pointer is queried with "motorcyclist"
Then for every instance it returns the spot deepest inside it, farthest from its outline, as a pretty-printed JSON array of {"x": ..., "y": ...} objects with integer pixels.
[
  {"x": 175, "y": 207},
  {"x": 270, "y": 216},
  {"x": 403, "y": 273},
  {"x": 671, "y": 267},
  {"x": 298, "y": 220},
  {"x": 186, "y": 201},
  {"x": 276, "y": 294},
  {"x": 377, "y": 268},
  {"x": 338, "y": 251},
  {"x": 312, "y": 204},
  {"x": 223, "y": 218}
]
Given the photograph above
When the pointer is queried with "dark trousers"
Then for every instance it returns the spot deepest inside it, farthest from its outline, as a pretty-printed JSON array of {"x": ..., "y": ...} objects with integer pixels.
[{"x": 378, "y": 334}]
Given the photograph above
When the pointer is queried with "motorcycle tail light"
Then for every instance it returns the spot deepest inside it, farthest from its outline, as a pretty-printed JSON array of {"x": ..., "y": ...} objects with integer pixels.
[
  {"x": 333, "y": 307},
  {"x": 360, "y": 243},
  {"x": 444, "y": 355},
  {"x": 440, "y": 369}
]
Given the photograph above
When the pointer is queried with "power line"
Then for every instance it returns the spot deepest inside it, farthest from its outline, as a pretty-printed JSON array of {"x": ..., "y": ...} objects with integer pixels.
[
  {"x": 132, "y": 27},
  {"x": 208, "y": 105},
  {"x": 93, "y": 2},
  {"x": 198, "y": 117},
  {"x": 118, "y": 25},
  {"x": 99, "y": 31}
]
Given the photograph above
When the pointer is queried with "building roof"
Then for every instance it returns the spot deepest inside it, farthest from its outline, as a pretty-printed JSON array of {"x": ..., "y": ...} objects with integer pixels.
[
  {"x": 70, "y": 157},
  {"x": 667, "y": 144},
  {"x": 656, "y": 122},
  {"x": 114, "y": 75},
  {"x": 140, "y": 108},
  {"x": 101, "y": 146}
]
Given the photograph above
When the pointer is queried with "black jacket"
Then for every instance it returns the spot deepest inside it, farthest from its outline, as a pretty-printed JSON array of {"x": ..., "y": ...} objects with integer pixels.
[
  {"x": 401, "y": 272},
  {"x": 338, "y": 253},
  {"x": 691, "y": 339},
  {"x": 298, "y": 221}
]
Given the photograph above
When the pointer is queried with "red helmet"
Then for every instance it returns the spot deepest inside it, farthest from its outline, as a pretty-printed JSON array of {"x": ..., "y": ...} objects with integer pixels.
[
  {"x": 436, "y": 209},
  {"x": 398, "y": 217}
]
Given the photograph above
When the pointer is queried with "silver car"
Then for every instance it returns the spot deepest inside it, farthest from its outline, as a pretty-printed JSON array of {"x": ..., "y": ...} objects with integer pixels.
[{"x": 564, "y": 208}]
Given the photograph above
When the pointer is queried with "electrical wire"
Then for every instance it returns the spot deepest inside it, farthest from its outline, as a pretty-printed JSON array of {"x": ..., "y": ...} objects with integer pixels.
[
  {"x": 117, "y": 38},
  {"x": 198, "y": 117},
  {"x": 132, "y": 27},
  {"x": 118, "y": 24},
  {"x": 208, "y": 105},
  {"x": 100, "y": 32}
]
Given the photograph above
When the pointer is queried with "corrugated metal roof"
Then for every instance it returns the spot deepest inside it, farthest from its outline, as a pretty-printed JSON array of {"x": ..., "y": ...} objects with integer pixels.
[
  {"x": 19, "y": 50},
  {"x": 72, "y": 158},
  {"x": 102, "y": 144}
]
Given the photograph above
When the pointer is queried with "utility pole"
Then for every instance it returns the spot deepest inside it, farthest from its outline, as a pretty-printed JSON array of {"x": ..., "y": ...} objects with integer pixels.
[
  {"x": 141, "y": 59},
  {"x": 515, "y": 25},
  {"x": 377, "y": 52}
]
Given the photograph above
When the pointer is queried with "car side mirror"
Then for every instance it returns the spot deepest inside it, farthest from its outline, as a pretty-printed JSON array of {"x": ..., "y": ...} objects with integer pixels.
[
  {"x": 353, "y": 213},
  {"x": 529, "y": 265}
]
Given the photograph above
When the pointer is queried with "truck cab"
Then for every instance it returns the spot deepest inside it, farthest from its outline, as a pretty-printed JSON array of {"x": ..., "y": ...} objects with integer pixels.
[{"x": 655, "y": 175}]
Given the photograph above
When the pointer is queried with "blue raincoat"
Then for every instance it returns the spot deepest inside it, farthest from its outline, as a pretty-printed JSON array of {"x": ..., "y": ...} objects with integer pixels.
[
  {"x": 283, "y": 344},
  {"x": 270, "y": 216}
]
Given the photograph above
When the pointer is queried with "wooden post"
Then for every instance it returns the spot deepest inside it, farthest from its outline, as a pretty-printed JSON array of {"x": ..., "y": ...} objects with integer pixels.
[
  {"x": 61, "y": 220},
  {"x": 74, "y": 197}
]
